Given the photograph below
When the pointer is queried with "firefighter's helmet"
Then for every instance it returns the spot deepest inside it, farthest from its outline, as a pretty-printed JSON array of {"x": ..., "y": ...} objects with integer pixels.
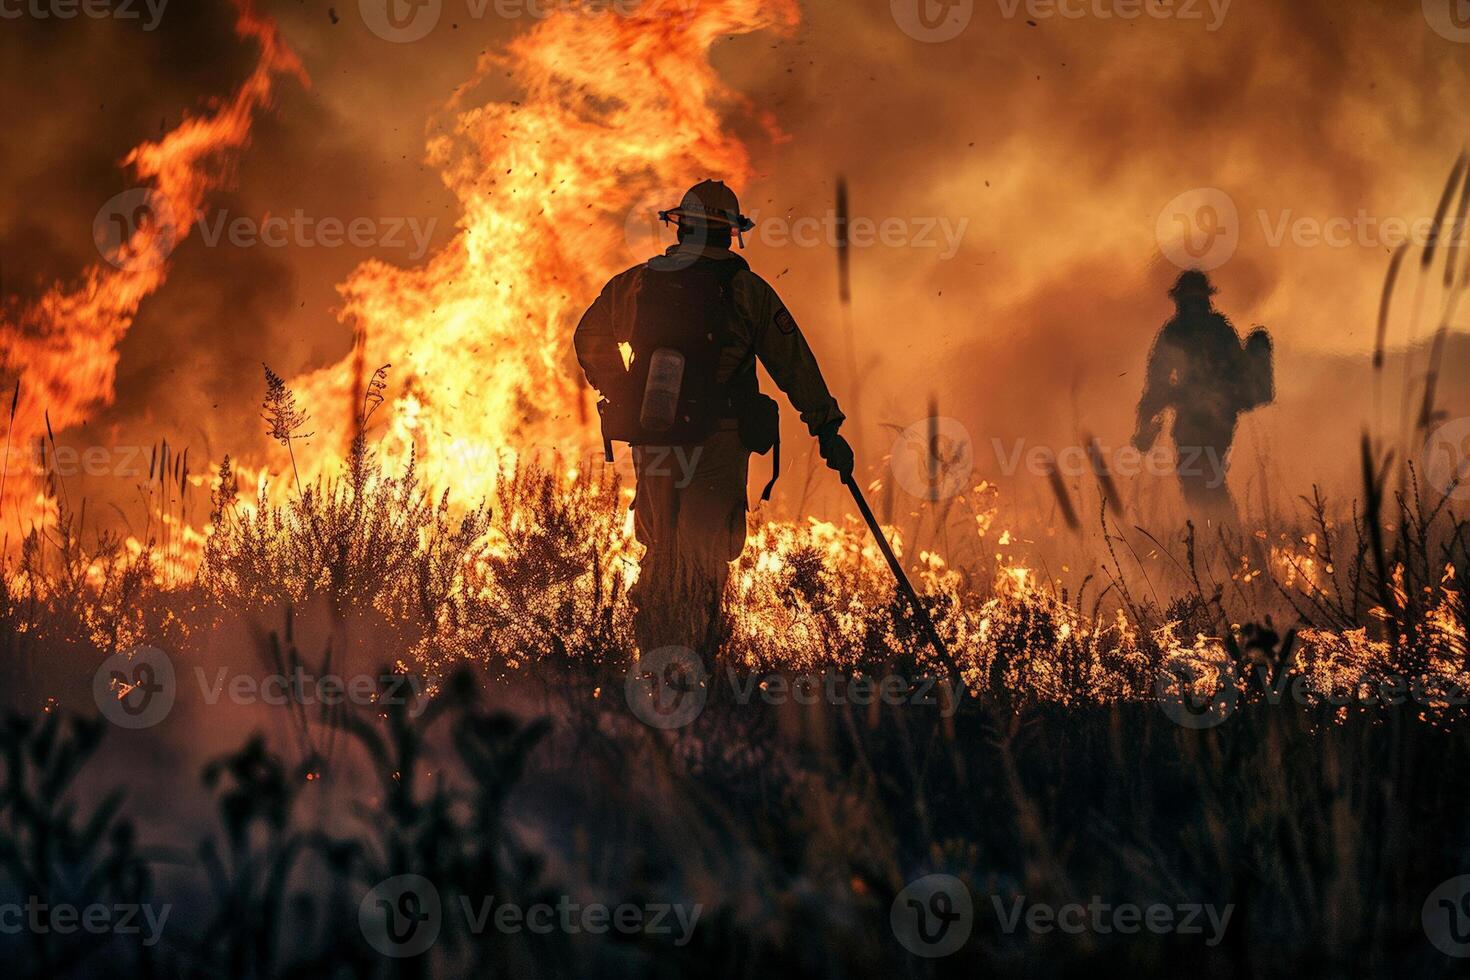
[
  {"x": 710, "y": 203},
  {"x": 1192, "y": 282}
]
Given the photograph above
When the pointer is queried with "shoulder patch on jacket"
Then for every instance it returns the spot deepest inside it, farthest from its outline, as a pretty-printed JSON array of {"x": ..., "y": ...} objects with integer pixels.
[{"x": 784, "y": 321}]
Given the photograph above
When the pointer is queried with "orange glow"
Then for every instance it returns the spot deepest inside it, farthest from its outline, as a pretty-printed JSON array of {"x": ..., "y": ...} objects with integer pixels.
[
  {"x": 613, "y": 110},
  {"x": 63, "y": 346}
]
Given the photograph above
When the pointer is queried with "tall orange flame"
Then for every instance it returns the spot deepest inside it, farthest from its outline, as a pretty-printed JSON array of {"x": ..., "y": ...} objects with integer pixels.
[
  {"x": 63, "y": 346},
  {"x": 615, "y": 109}
]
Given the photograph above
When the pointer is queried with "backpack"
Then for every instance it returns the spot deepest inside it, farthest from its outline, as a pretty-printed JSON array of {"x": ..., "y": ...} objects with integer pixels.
[
  {"x": 685, "y": 310},
  {"x": 1258, "y": 385}
]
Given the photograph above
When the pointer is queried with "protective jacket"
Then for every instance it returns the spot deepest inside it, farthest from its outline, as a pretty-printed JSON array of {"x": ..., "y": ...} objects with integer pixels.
[{"x": 750, "y": 323}]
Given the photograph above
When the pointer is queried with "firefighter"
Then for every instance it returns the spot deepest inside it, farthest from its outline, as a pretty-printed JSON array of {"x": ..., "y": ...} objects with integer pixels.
[
  {"x": 696, "y": 320},
  {"x": 1200, "y": 369}
]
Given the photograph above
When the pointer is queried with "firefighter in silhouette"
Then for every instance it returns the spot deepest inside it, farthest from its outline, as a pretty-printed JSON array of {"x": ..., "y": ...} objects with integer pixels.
[
  {"x": 695, "y": 321},
  {"x": 1200, "y": 369}
]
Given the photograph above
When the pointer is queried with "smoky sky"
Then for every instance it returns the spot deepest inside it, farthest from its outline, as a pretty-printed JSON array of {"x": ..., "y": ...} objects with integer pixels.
[
  {"x": 80, "y": 93},
  {"x": 1045, "y": 145}
]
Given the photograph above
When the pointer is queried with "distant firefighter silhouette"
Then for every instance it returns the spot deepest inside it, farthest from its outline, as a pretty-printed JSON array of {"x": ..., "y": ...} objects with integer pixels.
[
  {"x": 1200, "y": 369},
  {"x": 693, "y": 322}
]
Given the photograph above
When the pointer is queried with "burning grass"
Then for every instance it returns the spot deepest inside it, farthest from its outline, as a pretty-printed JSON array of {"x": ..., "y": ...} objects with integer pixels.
[
  {"x": 540, "y": 573},
  {"x": 517, "y": 769}
]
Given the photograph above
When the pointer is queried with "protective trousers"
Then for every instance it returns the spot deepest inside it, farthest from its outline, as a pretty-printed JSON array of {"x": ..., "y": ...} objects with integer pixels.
[{"x": 690, "y": 516}]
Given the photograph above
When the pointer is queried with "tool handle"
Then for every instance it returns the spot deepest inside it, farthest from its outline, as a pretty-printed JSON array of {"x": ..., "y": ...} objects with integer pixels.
[{"x": 920, "y": 613}]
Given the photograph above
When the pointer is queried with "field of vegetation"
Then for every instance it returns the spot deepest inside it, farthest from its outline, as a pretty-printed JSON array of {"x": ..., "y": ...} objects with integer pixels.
[{"x": 1281, "y": 736}]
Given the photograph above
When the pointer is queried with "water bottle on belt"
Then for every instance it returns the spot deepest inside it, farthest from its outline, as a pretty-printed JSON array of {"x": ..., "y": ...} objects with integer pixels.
[{"x": 661, "y": 393}]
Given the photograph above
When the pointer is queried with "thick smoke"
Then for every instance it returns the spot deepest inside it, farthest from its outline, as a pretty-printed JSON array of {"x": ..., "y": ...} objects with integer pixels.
[{"x": 1038, "y": 151}]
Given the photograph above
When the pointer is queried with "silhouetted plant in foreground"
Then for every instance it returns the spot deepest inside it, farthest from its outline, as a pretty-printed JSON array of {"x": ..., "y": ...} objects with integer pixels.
[
  {"x": 52, "y": 853},
  {"x": 792, "y": 826},
  {"x": 1052, "y": 774}
]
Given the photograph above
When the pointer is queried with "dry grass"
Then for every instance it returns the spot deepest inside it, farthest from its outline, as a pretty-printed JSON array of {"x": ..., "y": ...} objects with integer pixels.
[{"x": 793, "y": 826}]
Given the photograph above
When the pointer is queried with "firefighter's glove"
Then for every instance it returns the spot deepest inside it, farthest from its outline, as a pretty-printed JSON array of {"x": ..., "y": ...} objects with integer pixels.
[{"x": 835, "y": 450}]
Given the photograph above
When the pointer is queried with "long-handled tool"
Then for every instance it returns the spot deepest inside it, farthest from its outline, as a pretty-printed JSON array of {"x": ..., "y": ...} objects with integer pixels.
[{"x": 920, "y": 613}]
